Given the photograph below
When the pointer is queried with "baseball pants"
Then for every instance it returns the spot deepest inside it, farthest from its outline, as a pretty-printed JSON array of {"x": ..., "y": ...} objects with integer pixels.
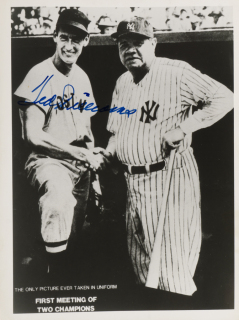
[
  {"x": 182, "y": 227},
  {"x": 63, "y": 189}
]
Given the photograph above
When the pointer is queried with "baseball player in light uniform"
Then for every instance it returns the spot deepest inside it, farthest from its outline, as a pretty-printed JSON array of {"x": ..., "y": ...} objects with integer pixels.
[
  {"x": 164, "y": 93},
  {"x": 58, "y": 131}
]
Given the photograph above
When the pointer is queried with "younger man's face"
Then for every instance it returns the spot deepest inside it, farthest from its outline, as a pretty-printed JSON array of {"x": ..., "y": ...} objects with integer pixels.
[{"x": 69, "y": 44}]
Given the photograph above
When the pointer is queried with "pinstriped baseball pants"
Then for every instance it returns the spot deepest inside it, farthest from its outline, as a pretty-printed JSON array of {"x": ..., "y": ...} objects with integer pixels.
[{"x": 181, "y": 238}]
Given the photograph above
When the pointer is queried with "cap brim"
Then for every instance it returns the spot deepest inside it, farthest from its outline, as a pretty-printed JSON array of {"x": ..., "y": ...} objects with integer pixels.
[
  {"x": 116, "y": 35},
  {"x": 77, "y": 25}
]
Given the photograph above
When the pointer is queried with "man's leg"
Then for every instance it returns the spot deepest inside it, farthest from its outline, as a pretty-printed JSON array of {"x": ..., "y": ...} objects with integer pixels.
[
  {"x": 181, "y": 236},
  {"x": 56, "y": 205},
  {"x": 81, "y": 194}
]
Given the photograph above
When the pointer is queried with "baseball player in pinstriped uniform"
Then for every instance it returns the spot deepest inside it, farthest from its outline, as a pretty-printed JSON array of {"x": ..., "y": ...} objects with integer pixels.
[
  {"x": 164, "y": 92},
  {"x": 60, "y": 138}
]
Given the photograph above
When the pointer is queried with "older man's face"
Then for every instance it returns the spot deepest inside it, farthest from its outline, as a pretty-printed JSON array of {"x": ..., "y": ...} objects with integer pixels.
[{"x": 136, "y": 52}]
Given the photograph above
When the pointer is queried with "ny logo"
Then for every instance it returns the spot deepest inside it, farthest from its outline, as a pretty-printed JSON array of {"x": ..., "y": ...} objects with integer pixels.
[
  {"x": 130, "y": 26},
  {"x": 147, "y": 112}
]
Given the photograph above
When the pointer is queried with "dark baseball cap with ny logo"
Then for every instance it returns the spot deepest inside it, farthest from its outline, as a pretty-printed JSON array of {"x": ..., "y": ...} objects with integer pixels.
[{"x": 137, "y": 26}]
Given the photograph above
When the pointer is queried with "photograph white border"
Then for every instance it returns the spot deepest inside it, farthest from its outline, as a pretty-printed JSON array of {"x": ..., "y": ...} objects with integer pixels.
[{"x": 6, "y": 245}]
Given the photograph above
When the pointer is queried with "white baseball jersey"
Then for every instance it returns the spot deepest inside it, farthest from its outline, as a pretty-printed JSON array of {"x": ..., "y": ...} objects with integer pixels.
[
  {"x": 58, "y": 96},
  {"x": 65, "y": 125},
  {"x": 164, "y": 99}
]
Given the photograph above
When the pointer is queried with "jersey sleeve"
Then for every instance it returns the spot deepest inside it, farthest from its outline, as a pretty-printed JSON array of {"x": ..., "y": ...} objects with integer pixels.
[
  {"x": 30, "y": 88},
  {"x": 113, "y": 121},
  {"x": 217, "y": 99}
]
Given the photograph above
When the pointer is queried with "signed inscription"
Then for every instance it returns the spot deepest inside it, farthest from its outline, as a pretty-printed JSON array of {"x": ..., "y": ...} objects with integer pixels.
[{"x": 62, "y": 103}]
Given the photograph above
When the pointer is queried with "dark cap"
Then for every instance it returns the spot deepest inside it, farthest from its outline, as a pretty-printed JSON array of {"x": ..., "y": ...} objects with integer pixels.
[
  {"x": 135, "y": 26},
  {"x": 75, "y": 18}
]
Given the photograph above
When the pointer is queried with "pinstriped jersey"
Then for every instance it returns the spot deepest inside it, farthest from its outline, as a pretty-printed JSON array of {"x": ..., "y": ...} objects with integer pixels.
[{"x": 164, "y": 99}]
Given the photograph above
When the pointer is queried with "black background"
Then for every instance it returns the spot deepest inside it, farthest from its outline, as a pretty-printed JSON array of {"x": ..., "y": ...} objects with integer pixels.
[{"x": 103, "y": 252}]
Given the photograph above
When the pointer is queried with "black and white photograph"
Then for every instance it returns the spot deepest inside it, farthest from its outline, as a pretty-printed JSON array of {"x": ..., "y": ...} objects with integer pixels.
[{"x": 122, "y": 158}]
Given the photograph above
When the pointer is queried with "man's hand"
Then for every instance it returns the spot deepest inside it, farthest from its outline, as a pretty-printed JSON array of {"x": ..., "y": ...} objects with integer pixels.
[
  {"x": 95, "y": 159},
  {"x": 87, "y": 157},
  {"x": 102, "y": 151},
  {"x": 171, "y": 139},
  {"x": 103, "y": 156}
]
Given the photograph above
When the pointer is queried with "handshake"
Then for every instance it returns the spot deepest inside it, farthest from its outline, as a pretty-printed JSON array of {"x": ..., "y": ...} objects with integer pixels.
[{"x": 98, "y": 159}]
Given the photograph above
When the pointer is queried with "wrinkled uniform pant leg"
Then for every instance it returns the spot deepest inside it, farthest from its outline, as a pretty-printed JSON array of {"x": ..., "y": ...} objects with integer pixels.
[{"x": 63, "y": 198}]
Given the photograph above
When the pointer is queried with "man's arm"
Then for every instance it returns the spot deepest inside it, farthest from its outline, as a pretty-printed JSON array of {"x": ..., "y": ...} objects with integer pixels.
[
  {"x": 108, "y": 154},
  {"x": 110, "y": 150},
  {"x": 33, "y": 121},
  {"x": 217, "y": 101},
  {"x": 111, "y": 147},
  {"x": 214, "y": 108}
]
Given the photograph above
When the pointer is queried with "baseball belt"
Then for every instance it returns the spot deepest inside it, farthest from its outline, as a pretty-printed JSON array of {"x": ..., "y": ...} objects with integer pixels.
[{"x": 144, "y": 169}]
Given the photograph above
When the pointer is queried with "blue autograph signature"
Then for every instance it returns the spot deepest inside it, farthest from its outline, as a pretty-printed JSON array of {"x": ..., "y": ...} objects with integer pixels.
[{"x": 64, "y": 103}]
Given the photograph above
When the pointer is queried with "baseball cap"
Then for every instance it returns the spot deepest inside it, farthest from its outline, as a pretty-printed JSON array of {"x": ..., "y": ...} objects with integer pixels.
[
  {"x": 75, "y": 18},
  {"x": 137, "y": 26}
]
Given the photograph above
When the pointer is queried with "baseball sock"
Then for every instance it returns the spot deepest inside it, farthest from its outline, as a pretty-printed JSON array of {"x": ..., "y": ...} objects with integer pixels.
[{"x": 57, "y": 262}]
